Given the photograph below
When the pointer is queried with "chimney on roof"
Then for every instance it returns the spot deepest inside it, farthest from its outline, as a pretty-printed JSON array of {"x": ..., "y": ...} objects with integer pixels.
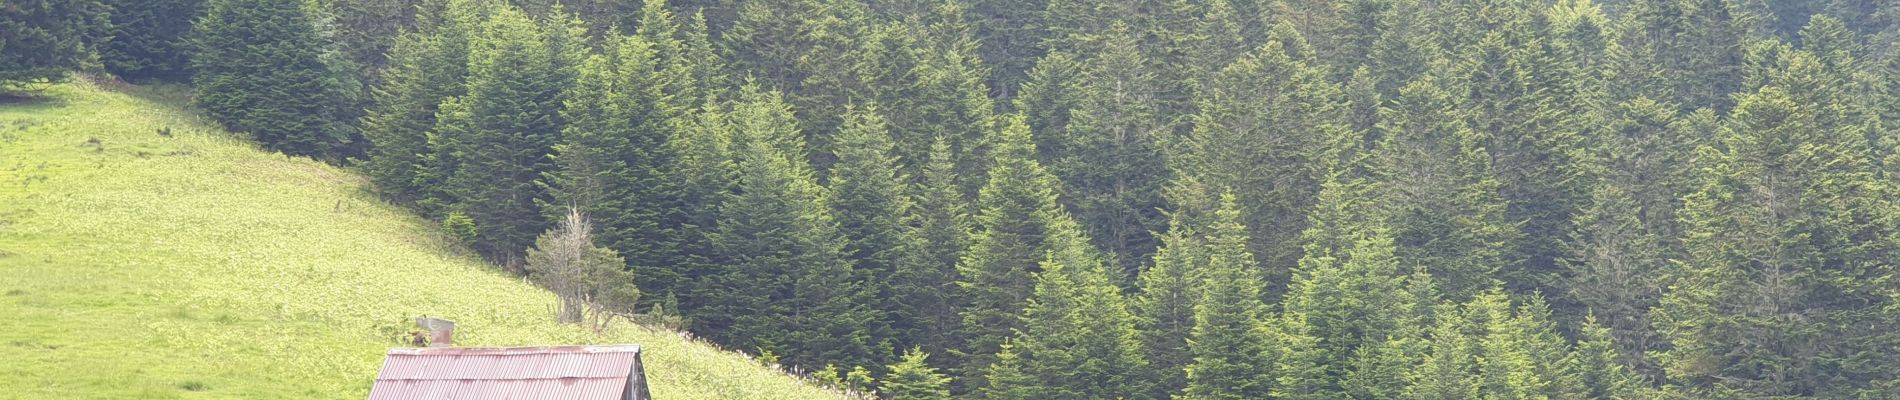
[{"x": 441, "y": 331}]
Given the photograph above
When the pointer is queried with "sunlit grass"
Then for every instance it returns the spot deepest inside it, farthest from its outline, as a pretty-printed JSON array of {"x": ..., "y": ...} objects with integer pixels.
[{"x": 134, "y": 265}]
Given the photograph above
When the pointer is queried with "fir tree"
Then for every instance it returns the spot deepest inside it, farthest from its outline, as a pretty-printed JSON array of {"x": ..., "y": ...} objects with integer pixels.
[
  {"x": 613, "y": 158},
  {"x": 150, "y": 39},
  {"x": 426, "y": 67},
  {"x": 1014, "y": 213},
  {"x": 787, "y": 284},
  {"x": 509, "y": 124},
  {"x": 1231, "y": 354},
  {"x": 1110, "y": 164},
  {"x": 1447, "y": 213},
  {"x": 942, "y": 223},
  {"x": 1600, "y": 369},
  {"x": 1344, "y": 290},
  {"x": 1782, "y": 241},
  {"x": 1264, "y": 125},
  {"x": 43, "y": 40},
  {"x": 1170, "y": 288},
  {"x": 258, "y": 69},
  {"x": 870, "y": 199},
  {"x": 913, "y": 379},
  {"x": 1078, "y": 338}
]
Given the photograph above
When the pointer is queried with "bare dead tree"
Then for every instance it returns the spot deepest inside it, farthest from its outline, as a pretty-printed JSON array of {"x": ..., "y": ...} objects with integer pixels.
[{"x": 589, "y": 279}]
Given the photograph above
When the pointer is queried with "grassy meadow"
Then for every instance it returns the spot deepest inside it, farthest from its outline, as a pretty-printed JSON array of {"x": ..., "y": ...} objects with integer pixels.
[{"x": 136, "y": 265}]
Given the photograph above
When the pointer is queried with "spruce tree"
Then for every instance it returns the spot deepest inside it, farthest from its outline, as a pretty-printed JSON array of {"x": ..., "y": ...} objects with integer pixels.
[
  {"x": 1447, "y": 212},
  {"x": 1683, "y": 52},
  {"x": 1345, "y": 288},
  {"x": 426, "y": 66},
  {"x": 1785, "y": 239},
  {"x": 942, "y": 223},
  {"x": 613, "y": 160},
  {"x": 43, "y": 40},
  {"x": 1600, "y": 368},
  {"x": 1170, "y": 288},
  {"x": 1111, "y": 164},
  {"x": 870, "y": 199},
  {"x": 1078, "y": 339},
  {"x": 516, "y": 86},
  {"x": 996, "y": 276},
  {"x": 1264, "y": 126},
  {"x": 786, "y": 284},
  {"x": 1231, "y": 353},
  {"x": 258, "y": 69},
  {"x": 914, "y": 379},
  {"x": 150, "y": 39}
]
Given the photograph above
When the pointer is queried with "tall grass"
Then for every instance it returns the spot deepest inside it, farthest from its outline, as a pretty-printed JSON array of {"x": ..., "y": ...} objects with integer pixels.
[{"x": 135, "y": 264}]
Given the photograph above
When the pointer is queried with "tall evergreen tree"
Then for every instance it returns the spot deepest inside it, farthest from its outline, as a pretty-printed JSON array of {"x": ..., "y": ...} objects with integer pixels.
[
  {"x": 1170, "y": 288},
  {"x": 1785, "y": 240},
  {"x": 426, "y": 66},
  {"x": 787, "y": 285},
  {"x": 1078, "y": 339},
  {"x": 1344, "y": 291},
  {"x": 1447, "y": 213},
  {"x": 43, "y": 40},
  {"x": 942, "y": 222},
  {"x": 259, "y": 69},
  {"x": 1264, "y": 125},
  {"x": 512, "y": 119},
  {"x": 150, "y": 39},
  {"x": 1683, "y": 52},
  {"x": 870, "y": 198},
  {"x": 1111, "y": 164},
  {"x": 1231, "y": 353},
  {"x": 996, "y": 276}
]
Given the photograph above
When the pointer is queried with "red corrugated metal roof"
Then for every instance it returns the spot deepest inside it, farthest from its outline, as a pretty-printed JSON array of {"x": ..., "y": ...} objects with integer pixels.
[{"x": 559, "y": 372}]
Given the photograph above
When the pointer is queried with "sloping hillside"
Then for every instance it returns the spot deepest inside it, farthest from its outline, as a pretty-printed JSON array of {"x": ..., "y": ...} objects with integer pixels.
[{"x": 136, "y": 265}]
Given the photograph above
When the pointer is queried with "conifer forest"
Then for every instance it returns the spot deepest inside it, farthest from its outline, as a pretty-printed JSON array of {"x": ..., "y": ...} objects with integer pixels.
[{"x": 1118, "y": 199}]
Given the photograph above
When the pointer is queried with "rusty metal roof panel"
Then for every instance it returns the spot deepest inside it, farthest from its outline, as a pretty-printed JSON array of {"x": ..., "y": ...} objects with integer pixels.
[{"x": 560, "y": 372}]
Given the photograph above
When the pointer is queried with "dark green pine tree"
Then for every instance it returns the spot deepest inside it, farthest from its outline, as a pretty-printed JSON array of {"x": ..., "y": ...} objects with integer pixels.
[
  {"x": 1788, "y": 241},
  {"x": 1232, "y": 356},
  {"x": 914, "y": 379},
  {"x": 426, "y": 66},
  {"x": 614, "y": 161},
  {"x": 1683, "y": 52},
  {"x": 1078, "y": 339},
  {"x": 1010, "y": 33},
  {"x": 786, "y": 283},
  {"x": 1525, "y": 102},
  {"x": 1170, "y": 288},
  {"x": 1265, "y": 125},
  {"x": 43, "y": 40},
  {"x": 150, "y": 39},
  {"x": 1346, "y": 287},
  {"x": 942, "y": 95},
  {"x": 1381, "y": 367},
  {"x": 258, "y": 69},
  {"x": 870, "y": 198},
  {"x": 1218, "y": 41},
  {"x": 705, "y": 173},
  {"x": 1450, "y": 359},
  {"x": 1111, "y": 164},
  {"x": 1601, "y": 371},
  {"x": 942, "y": 222},
  {"x": 516, "y": 86},
  {"x": 1447, "y": 213},
  {"x": 997, "y": 275}
]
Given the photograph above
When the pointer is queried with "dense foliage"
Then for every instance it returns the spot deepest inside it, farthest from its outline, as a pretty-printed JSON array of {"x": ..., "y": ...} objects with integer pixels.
[{"x": 1160, "y": 198}]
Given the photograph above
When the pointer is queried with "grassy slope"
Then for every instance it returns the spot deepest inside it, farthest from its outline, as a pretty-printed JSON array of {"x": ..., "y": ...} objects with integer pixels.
[{"x": 196, "y": 266}]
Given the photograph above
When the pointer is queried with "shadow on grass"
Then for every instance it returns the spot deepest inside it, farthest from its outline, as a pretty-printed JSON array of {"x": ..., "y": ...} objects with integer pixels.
[{"x": 29, "y": 98}]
